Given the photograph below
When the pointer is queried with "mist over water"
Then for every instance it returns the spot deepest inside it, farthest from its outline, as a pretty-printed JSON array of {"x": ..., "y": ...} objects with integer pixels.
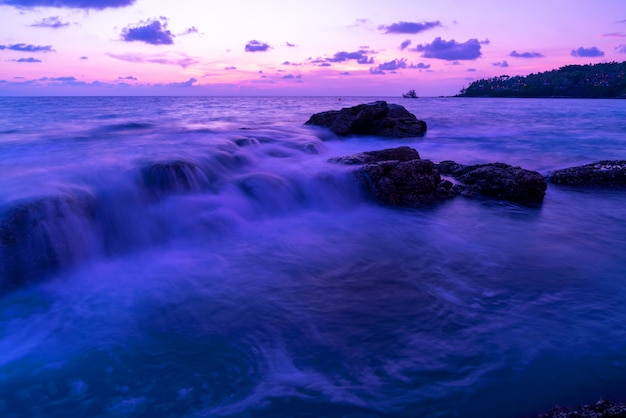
[{"x": 201, "y": 257}]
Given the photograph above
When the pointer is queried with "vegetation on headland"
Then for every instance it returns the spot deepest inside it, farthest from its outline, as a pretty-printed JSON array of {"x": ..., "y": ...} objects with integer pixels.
[{"x": 606, "y": 80}]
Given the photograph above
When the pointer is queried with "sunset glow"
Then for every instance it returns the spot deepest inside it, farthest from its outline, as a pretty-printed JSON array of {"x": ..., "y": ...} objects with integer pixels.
[{"x": 278, "y": 47}]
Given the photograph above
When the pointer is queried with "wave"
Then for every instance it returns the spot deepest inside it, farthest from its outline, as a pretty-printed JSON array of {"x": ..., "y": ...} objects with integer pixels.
[{"x": 155, "y": 201}]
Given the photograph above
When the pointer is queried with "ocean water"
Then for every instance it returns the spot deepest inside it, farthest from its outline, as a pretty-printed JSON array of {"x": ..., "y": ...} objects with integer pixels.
[{"x": 200, "y": 257}]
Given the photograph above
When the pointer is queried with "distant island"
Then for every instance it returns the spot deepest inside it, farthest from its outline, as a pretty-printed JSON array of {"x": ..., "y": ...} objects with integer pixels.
[{"x": 606, "y": 80}]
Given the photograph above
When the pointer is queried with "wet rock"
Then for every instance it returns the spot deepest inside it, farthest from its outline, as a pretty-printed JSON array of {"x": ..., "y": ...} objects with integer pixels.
[
  {"x": 600, "y": 409},
  {"x": 498, "y": 180},
  {"x": 607, "y": 173},
  {"x": 42, "y": 236},
  {"x": 398, "y": 177},
  {"x": 400, "y": 154},
  {"x": 377, "y": 119},
  {"x": 173, "y": 177}
]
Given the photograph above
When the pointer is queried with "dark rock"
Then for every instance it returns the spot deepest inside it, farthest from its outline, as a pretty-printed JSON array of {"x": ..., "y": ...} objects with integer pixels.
[
  {"x": 398, "y": 177},
  {"x": 600, "y": 409},
  {"x": 400, "y": 154},
  {"x": 602, "y": 173},
  {"x": 40, "y": 237},
  {"x": 498, "y": 180},
  {"x": 377, "y": 119},
  {"x": 451, "y": 168},
  {"x": 173, "y": 177}
]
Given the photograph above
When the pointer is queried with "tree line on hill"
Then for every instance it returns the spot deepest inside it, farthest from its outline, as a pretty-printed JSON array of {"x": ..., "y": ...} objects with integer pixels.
[{"x": 605, "y": 80}]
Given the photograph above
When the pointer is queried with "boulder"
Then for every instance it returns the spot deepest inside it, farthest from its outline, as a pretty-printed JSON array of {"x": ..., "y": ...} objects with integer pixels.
[
  {"x": 400, "y": 154},
  {"x": 601, "y": 173},
  {"x": 498, "y": 180},
  {"x": 599, "y": 409},
  {"x": 168, "y": 177},
  {"x": 376, "y": 119},
  {"x": 42, "y": 236},
  {"x": 398, "y": 177}
]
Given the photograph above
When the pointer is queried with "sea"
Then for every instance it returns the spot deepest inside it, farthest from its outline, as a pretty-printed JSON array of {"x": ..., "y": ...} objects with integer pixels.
[{"x": 201, "y": 257}]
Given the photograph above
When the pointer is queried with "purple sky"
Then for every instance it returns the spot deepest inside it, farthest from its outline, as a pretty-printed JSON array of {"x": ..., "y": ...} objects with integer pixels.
[{"x": 279, "y": 47}]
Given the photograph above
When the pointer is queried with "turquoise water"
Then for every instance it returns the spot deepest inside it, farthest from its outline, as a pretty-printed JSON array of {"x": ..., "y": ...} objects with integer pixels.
[{"x": 253, "y": 279}]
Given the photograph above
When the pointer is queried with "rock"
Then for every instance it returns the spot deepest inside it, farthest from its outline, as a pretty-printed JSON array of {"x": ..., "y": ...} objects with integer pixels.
[
  {"x": 398, "y": 177},
  {"x": 498, "y": 180},
  {"x": 377, "y": 119},
  {"x": 601, "y": 173},
  {"x": 173, "y": 177},
  {"x": 42, "y": 236},
  {"x": 400, "y": 154},
  {"x": 600, "y": 409}
]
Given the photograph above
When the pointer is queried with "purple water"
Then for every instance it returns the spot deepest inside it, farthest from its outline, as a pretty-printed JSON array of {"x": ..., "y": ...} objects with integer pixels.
[{"x": 199, "y": 257}]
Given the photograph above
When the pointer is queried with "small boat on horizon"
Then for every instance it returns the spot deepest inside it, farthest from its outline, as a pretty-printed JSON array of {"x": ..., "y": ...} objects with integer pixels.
[{"x": 410, "y": 94}]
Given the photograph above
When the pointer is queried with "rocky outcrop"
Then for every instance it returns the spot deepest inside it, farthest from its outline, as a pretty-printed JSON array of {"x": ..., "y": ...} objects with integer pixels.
[
  {"x": 42, "y": 236},
  {"x": 607, "y": 173},
  {"x": 498, "y": 180},
  {"x": 398, "y": 177},
  {"x": 173, "y": 177},
  {"x": 600, "y": 409},
  {"x": 377, "y": 119},
  {"x": 400, "y": 154}
]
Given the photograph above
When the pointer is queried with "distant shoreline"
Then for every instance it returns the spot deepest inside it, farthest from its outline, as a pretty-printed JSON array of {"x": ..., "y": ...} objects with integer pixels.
[
  {"x": 535, "y": 97},
  {"x": 599, "y": 81}
]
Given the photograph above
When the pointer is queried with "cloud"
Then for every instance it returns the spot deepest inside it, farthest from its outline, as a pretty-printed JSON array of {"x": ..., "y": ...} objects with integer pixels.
[
  {"x": 50, "y": 22},
  {"x": 621, "y": 49},
  {"x": 614, "y": 35},
  {"x": 359, "y": 56},
  {"x": 365, "y": 23},
  {"x": 409, "y": 27},
  {"x": 587, "y": 52},
  {"x": 83, "y": 58},
  {"x": 128, "y": 77},
  {"x": 189, "y": 31},
  {"x": 420, "y": 66},
  {"x": 397, "y": 64},
  {"x": 30, "y": 59},
  {"x": 291, "y": 76},
  {"x": 290, "y": 45},
  {"x": 27, "y": 48},
  {"x": 405, "y": 44},
  {"x": 230, "y": 68},
  {"x": 502, "y": 64},
  {"x": 256, "y": 46},
  {"x": 188, "y": 83},
  {"x": 526, "y": 54},
  {"x": 182, "y": 60},
  {"x": 345, "y": 73},
  {"x": 64, "y": 79},
  {"x": 393, "y": 65},
  {"x": 471, "y": 70},
  {"x": 451, "y": 50},
  {"x": 151, "y": 32},
  {"x": 70, "y": 4}
]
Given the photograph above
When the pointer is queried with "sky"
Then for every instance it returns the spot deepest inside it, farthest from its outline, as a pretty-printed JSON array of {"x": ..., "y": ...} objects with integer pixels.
[{"x": 294, "y": 47}]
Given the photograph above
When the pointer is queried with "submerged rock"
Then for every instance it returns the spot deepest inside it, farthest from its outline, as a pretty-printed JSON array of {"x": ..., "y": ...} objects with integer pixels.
[
  {"x": 608, "y": 173},
  {"x": 600, "y": 409},
  {"x": 172, "y": 176},
  {"x": 398, "y": 177},
  {"x": 42, "y": 236},
  {"x": 498, "y": 180},
  {"x": 400, "y": 154},
  {"x": 377, "y": 119}
]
